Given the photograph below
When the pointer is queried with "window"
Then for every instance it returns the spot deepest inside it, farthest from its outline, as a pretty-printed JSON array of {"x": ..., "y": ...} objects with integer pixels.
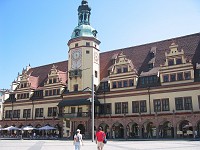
[
  {"x": 75, "y": 87},
  {"x": 76, "y": 44},
  {"x": 150, "y": 66},
  {"x": 119, "y": 84},
  {"x": 54, "y": 92},
  {"x": 180, "y": 76},
  {"x": 16, "y": 114},
  {"x": 199, "y": 100},
  {"x": 143, "y": 107},
  {"x": 187, "y": 75},
  {"x": 54, "y": 80},
  {"x": 179, "y": 103},
  {"x": 95, "y": 74},
  {"x": 8, "y": 114},
  {"x": 125, "y": 83},
  {"x": 119, "y": 70},
  {"x": 151, "y": 55},
  {"x": 39, "y": 112},
  {"x": 26, "y": 113},
  {"x": 52, "y": 111},
  {"x": 188, "y": 103},
  {"x": 50, "y": 81},
  {"x": 165, "y": 104},
  {"x": 157, "y": 105},
  {"x": 170, "y": 62},
  {"x": 131, "y": 83},
  {"x": 80, "y": 110},
  {"x": 166, "y": 78},
  {"x": 125, "y": 69},
  {"x": 178, "y": 61},
  {"x": 172, "y": 77},
  {"x": 87, "y": 43},
  {"x": 114, "y": 85},
  {"x": 124, "y": 107},
  {"x": 117, "y": 108},
  {"x": 46, "y": 93},
  {"x": 87, "y": 51},
  {"x": 107, "y": 108},
  {"x": 73, "y": 110},
  {"x": 135, "y": 106}
]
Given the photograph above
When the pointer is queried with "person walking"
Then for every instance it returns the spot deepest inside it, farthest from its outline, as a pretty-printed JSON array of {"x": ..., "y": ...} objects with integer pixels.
[
  {"x": 100, "y": 136},
  {"x": 78, "y": 140}
]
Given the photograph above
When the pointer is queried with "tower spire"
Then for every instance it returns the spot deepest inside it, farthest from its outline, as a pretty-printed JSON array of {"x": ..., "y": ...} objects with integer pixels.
[{"x": 84, "y": 13}]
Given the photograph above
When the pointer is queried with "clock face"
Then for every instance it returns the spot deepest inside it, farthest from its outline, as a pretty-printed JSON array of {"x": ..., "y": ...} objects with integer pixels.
[
  {"x": 96, "y": 57},
  {"x": 76, "y": 59}
]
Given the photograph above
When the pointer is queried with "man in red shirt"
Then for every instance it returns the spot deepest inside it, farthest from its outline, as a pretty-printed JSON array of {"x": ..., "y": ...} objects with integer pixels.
[{"x": 100, "y": 136}]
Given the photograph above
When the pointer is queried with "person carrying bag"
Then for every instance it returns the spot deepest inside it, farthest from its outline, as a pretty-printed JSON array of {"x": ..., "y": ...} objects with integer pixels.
[{"x": 100, "y": 139}]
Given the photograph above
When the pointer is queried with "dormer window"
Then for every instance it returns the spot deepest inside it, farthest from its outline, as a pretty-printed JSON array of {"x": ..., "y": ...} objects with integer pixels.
[
  {"x": 151, "y": 55},
  {"x": 178, "y": 61},
  {"x": 119, "y": 70},
  {"x": 54, "y": 80},
  {"x": 50, "y": 81},
  {"x": 170, "y": 62},
  {"x": 77, "y": 32},
  {"x": 150, "y": 66},
  {"x": 125, "y": 69},
  {"x": 94, "y": 33}
]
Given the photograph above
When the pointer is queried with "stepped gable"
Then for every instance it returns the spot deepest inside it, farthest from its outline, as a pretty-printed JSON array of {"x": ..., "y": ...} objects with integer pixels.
[
  {"x": 139, "y": 54},
  {"x": 42, "y": 71}
]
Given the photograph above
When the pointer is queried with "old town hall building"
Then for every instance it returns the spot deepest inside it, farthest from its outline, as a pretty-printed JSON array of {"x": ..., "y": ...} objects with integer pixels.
[{"x": 145, "y": 91}]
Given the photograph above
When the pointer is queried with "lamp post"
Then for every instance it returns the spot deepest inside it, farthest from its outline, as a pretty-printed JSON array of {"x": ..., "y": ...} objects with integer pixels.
[{"x": 92, "y": 108}]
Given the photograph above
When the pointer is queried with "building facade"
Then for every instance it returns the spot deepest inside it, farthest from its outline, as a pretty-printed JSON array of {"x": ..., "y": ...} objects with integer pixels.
[{"x": 145, "y": 91}]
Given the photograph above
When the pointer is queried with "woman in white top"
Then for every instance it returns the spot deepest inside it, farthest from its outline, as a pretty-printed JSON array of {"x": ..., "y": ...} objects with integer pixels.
[{"x": 78, "y": 140}]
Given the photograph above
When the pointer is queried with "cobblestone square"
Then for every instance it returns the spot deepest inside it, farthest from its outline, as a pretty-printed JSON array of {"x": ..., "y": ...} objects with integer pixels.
[{"x": 88, "y": 145}]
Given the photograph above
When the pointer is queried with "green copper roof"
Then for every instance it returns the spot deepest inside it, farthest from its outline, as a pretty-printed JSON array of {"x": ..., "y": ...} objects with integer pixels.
[{"x": 84, "y": 31}]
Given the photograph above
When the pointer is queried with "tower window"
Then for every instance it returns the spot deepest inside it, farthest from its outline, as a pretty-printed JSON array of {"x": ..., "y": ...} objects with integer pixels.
[
  {"x": 87, "y": 51},
  {"x": 96, "y": 74},
  {"x": 75, "y": 87},
  {"x": 87, "y": 43}
]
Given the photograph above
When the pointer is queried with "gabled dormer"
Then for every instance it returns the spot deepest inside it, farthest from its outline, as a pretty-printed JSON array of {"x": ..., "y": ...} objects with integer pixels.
[
  {"x": 55, "y": 82},
  {"x": 177, "y": 68},
  {"x": 122, "y": 72}
]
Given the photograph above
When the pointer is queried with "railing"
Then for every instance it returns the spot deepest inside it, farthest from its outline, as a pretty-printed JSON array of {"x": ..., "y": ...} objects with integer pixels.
[{"x": 74, "y": 115}]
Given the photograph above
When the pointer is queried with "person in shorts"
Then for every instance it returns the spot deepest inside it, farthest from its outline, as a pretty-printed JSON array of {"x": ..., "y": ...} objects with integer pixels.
[
  {"x": 78, "y": 140},
  {"x": 100, "y": 136}
]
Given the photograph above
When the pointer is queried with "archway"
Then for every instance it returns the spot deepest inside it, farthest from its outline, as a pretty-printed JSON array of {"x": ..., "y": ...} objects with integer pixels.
[
  {"x": 117, "y": 131},
  {"x": 106, "y": 129},
  {"x": 132, "y": 130},
  {"x": 82, "y": 128},
  {"x": 198, "y": 129},
  {"x": 58, "y": 131},
  {"x": 185, "y": 127},
  {"x": 166, "y": 130},
  {"x": 150, "y": 130}
]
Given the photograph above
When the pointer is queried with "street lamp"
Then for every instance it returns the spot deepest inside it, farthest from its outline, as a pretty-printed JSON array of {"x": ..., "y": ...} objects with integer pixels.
[{"x": 92, "y": 108}]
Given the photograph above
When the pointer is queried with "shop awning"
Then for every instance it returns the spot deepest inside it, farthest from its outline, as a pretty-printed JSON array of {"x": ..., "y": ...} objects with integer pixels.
[{"x": 76, "y": 102}]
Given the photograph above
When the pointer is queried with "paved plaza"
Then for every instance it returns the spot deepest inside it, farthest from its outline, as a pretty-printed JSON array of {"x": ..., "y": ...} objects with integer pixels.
[{"x": 88, "y": 145}]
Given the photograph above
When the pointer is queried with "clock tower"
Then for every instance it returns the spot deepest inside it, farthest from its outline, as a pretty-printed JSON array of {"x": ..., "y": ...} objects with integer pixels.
[{"x": 83, "y": 54}]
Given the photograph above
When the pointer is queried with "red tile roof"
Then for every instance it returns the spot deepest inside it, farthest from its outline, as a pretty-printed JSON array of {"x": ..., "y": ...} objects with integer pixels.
[{"x": 138, "y": 55}]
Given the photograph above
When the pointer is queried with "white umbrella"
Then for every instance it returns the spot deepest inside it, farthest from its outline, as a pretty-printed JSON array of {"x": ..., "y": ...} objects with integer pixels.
[
  {"x": 47, "y": 128},
  {"x": 27, "y": 128},
  {"x": 11, "y": 128}
]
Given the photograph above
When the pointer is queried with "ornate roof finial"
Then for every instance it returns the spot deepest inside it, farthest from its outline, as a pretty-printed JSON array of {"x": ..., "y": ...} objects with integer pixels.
[{"x": 84, "y": 13}]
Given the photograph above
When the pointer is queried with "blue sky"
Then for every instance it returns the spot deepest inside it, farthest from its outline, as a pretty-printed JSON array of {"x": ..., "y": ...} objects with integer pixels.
[{"x": 36, "y": 32}]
